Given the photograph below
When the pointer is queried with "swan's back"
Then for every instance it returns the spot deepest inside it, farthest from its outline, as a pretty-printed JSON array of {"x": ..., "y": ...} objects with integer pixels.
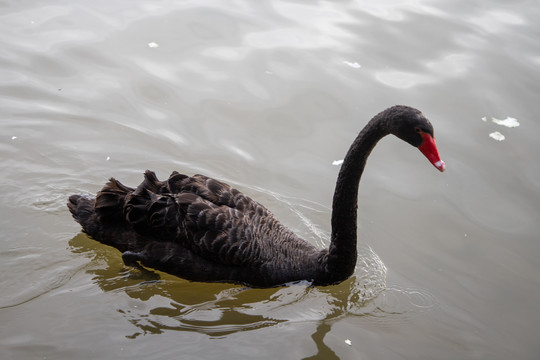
[{"x": 196, "y": 227}]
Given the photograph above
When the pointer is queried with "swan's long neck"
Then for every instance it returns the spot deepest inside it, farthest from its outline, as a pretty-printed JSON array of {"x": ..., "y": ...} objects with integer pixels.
[{"x": 342, "y": 254}]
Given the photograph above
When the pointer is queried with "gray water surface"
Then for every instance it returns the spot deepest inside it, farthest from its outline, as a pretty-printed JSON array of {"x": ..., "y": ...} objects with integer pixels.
[{"x": 266, "y": 95}]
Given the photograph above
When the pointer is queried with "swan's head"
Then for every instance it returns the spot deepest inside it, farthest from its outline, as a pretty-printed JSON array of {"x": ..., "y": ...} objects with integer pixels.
[{"x": 411, "y": 125}]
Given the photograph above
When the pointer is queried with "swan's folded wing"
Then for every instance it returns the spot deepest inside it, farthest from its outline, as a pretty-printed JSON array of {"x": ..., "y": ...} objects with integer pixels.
[
  {"x": 213, "y": 191},
  {"x": 204, "y": 215},
  {"x": 152, "y": 215},
  {"x": 217, "y": 233}
]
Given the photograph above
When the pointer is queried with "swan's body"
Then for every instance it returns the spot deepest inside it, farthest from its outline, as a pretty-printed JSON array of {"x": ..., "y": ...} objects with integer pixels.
[{"x": 201, "y": 229}]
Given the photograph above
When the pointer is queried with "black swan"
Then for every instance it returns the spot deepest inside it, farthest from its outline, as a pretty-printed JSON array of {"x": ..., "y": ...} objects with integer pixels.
[{"x": 201, "y": 229}]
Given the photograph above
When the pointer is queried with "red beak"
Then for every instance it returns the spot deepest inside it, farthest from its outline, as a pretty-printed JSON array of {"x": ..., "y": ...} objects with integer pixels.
[{"x": 429, "y": 149}]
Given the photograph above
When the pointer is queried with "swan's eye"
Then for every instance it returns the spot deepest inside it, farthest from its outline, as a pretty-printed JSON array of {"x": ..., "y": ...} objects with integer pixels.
[{"x": 418, "y": 130}]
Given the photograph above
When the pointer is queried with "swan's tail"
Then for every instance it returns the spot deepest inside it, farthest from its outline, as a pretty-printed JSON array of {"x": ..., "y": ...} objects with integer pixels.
[{"x": 82, "y": 210}]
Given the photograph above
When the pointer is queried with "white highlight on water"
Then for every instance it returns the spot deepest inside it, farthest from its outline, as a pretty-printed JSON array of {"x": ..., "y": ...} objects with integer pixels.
[
  {"x": 354, "y": 65},
  {"x": 508, "y": 122},
  {"x": 497, "y": 136}
]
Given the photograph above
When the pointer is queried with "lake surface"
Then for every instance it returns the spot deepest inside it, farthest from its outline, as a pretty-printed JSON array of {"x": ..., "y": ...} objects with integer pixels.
[{"x": 266, "y": 95}]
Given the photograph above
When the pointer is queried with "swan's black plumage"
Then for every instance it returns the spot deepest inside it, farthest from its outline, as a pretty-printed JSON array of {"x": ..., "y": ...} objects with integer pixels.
[{"x": 202, "y": 229}]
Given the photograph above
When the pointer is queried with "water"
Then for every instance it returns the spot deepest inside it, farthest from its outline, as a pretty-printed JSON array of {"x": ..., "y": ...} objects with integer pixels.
[{"x": 267, "y": 95}]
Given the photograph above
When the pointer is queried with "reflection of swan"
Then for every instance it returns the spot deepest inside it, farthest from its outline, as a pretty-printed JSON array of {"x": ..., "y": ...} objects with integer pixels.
[
  {"x": 218, "y": 310},
  {"x": 323, "y": 351},
  {"x": 201, "y": 229}
]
